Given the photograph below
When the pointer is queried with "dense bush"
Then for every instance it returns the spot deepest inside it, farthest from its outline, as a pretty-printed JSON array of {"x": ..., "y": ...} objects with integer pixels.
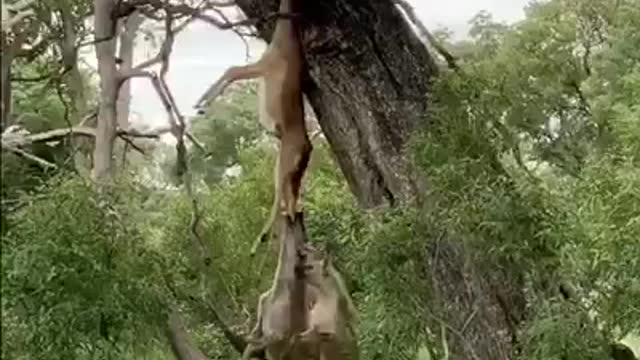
[{"x": 77, "y": 281}]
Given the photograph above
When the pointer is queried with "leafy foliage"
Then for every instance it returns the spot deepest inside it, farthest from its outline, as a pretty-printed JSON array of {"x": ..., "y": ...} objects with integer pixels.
[
  {"x": 76, "y": 281},
  {"x": 534, "y": 156},
  {"x": 225, "y": 139}
]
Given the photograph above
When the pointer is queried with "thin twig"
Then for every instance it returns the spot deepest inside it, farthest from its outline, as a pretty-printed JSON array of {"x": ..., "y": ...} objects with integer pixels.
[
  {"x": 129, "y": 142},
  {"x": 247, "y": 51},
  {"x": 468, "y": 321}
]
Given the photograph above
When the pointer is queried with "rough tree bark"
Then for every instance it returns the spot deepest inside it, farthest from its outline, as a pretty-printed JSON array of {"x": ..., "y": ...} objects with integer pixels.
[
  {"x": 105, "y": 54},
  {"x": 125, "y": 53},
  {"x": 9, "y": 52},
  {"x": 370, "y": 79},
  {"x": 5, "y": 79},
  {"x": 129, "y": 28},
  {"x": 73, "y": 77}
]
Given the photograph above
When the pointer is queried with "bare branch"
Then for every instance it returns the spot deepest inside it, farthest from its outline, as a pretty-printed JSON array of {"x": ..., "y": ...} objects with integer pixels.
[
  {"x": 425, "y": 33},
  {"x": 42, "y": 162},
  {"x": 237, "y": 32},
  {"x": 129, "y": 142},
  {"x": 90, "y": 116},
  {"x": 17, "y": 140},
  {"x": 155, "y": 81},
  {"x": 196, "y": 142},
  {"x": 127, "y": 8},
  {"x": 51, "y": 135},
  {"x": 226, "y": 25},
  {"x": 165, "y": 48},
  {"x": 194, "y": 12}
]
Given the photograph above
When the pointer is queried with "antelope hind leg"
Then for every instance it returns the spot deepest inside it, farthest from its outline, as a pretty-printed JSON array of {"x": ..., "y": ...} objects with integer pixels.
[
  {"x": 292, "y": 179},
  {"x": 231, "y": 75}
]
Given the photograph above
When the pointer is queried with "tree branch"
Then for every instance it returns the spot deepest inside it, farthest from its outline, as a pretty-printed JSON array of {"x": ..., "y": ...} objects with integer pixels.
[
  {"x": 129, "y": 142},
  {"x": 165, "y": 48},
  {"x": 15, "y": 140},
  {"x": 237, "y": 32},
  {"x": 425, "y": 33},
  {"x": 40, "y": 161}
]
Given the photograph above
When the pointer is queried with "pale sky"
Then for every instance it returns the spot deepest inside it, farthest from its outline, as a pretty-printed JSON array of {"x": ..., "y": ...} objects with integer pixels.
[{"x": 201, "y": 53}]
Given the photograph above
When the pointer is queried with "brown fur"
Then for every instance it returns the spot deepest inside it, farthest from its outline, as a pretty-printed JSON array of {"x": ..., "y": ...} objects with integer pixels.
[
  {"x": 281, "y": 108},
  {"x": 282, "y": 310},
  {"x": 332, "y": 317}
]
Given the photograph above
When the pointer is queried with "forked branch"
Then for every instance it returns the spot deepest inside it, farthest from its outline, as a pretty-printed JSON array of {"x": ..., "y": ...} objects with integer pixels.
[{"x": 15, "y": 141}]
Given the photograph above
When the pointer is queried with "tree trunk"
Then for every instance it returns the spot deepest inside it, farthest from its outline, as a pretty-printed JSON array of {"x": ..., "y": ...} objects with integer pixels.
[
  {"x": 73, "y": 77},
  {"x": 75, "y": 86},
  {"x": 5, "y": 91},
  {"x": 125, "y": 53},
  {"x": 9, "y": 51},
  {"x": 106, "y": 128},
  {"x": 129, "y": 29},
  {"x": 370, "y": 78}
]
